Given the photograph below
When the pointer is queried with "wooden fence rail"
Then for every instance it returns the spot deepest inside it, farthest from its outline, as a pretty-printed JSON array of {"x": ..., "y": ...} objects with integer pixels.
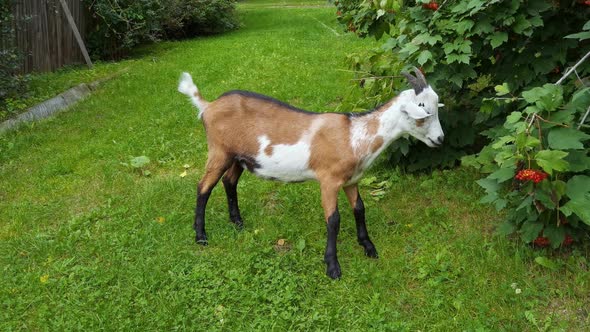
[{"x": 44, "y": 36}]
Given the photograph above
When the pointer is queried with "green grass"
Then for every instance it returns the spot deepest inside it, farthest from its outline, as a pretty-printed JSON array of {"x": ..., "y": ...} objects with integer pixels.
[{"x": 89, "y": 243}]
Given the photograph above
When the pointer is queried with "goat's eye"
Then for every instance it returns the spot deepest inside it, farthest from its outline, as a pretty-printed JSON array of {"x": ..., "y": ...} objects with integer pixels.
[{"x": 421, "y": 104}]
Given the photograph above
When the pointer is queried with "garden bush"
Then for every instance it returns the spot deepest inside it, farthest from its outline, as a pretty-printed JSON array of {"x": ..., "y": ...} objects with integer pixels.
[
  {"x": 496, "y": 66},
  {"x": 13, "y": 85},
  {"x": 466, "y": 48},
  {"x": 120, "y": 25}
]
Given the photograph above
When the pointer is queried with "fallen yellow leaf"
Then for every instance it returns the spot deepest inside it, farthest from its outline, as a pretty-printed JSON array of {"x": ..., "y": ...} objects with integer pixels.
[
  {"x": 44, "y": 278},
  {"x": 281, "y": 242},
  {"x": 160, "y": 219},
  {"x": 183, "y": 174}
]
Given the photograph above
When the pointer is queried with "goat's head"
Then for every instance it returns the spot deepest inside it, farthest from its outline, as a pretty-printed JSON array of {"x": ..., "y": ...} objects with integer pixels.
[{"x": 420, "y": 107}]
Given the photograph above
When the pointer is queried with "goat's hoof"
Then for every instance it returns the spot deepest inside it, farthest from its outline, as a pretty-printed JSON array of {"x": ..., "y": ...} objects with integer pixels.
[
  {"x": 202, "y": 240},
  {"x": 333, "y": 270},
  {"x": 371, "y": 252},
  {"x": 239, "y": 224},
  {"x": 369, "y": 247}
]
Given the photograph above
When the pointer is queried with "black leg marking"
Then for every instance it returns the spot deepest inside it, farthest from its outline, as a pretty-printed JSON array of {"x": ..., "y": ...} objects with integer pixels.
[
  {"x": 333, "y": 227},
  {"x": 199, "y": 225},
  {"x": 361, "y": 228},
  {"x": 231, "y": 192}
]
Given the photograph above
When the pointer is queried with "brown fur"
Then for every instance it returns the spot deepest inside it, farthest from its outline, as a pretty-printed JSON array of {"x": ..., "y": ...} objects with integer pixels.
[
  {"x": 236, "y": 117},
  {"x": 376, "y": 144},
  {"x": 268, "y": 150}
]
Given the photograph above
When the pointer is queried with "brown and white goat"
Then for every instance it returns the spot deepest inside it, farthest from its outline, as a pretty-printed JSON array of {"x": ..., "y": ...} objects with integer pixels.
[{"x": 277, "y": 141}]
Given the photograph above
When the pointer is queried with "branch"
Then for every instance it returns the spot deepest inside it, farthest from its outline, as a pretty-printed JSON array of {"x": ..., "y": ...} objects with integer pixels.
[{"x": 569, "y": 71}]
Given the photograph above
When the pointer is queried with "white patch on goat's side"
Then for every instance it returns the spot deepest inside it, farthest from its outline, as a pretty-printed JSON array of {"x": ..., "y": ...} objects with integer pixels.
[
  {"x": 358, "y": 134},
  {"x": 287, "y": 162}
]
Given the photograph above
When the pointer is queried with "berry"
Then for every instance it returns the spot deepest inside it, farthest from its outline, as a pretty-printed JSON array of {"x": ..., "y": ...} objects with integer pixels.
[
  {"x": 541, "y": 241},
  {"x": 531, "y": 174},
  {"x": 433, "y": 5}
]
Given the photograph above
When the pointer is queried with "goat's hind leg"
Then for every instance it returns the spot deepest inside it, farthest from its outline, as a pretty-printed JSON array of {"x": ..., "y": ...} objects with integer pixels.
[
  {"x": 354, "y": 198},
  {"x": 230, "y": 183},
  {"x": 217, "y": 164},
  {"x": 330, "y": 204}
]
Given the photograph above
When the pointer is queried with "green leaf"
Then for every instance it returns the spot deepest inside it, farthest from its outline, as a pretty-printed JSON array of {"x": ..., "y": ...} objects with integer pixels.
[
  {"x": 545, "y": 199},
  {"x": 503, "y": 141},
  {"x": 548, "y": 97},
  {"x": 490, "y": 185},
  {"x": 551, "y": 160},
  {"x": 489, "y": 198},
  {"x": 578, "y": 187},
  {"x": 300, "y": 244},
  {"x": 546, "y": 262},
  {"x": 566, "y": 138},
  {"x": 459, "y": 58},
  {"x": 580, "y": 208},
  {"x": 530, "y": 230},
  {"x": 502, "y": 90},
  {"x": 514, "y": 116},
  {"x": 139, "y": 162},
  {"x": 578, "y": 160},
  {"x": 555, "y": 234},
  {"x": 506, "y": 228},
  {"x": 580, "y": 35},
  {"x": 500, "y": 203},
  {"x": 521, "y": 24},
  {"x": 462, "y": 26},
  {"x": 449, "y": 48},
  {"x": 424, "y": 57},
  {"x": 503, "y": 174},
  {"x": 525, "y": 202},
  {"x": 498, "y": 39},
  {"x": 409, "y": 49}
]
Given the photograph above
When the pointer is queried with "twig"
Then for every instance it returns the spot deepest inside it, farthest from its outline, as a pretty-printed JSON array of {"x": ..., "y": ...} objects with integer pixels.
[
  {"x": 584, "y": 118},
  {"x": 374, "y": 77},
  {"x": 569, "y": 71},
  {"x": 555, "y": 123}
]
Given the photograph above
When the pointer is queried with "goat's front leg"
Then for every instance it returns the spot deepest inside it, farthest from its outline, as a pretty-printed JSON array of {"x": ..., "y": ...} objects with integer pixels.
[
  {"x": 230, "y": 183},
  {"x": 330, "y": 205},
  {"x": 354, "y": 198}
]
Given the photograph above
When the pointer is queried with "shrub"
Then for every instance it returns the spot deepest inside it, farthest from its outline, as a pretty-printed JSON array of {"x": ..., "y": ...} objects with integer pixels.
[
  {"x": 193, "y": 17},
  {"x": 539, "y": 166},
  {"x": 466, "y": 48},
  {"x": 123, "y": 24},
  {"x": 12, "y": 84}
]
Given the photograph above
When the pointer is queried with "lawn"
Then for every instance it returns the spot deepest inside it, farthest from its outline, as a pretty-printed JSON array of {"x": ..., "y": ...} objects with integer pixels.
[{"x": 87, "y": 241}]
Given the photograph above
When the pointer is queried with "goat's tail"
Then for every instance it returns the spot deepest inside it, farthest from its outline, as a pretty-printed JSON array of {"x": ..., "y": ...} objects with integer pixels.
[{"x": 187, "y": 87}]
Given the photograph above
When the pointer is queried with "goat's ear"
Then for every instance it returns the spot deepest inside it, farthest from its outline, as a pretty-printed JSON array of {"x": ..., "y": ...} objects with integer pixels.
[
  {"x": 415, "y": 112},
  {"x": 441, "y": 105}
]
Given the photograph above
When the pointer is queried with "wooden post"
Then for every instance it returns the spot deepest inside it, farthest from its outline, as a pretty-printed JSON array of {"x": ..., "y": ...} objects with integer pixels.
[{"x": 66, "y": 10}]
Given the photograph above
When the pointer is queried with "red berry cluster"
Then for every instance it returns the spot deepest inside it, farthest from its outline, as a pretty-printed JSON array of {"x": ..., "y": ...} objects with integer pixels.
[
  {"x": 531, "y": 174},
  {"x": 587, "y": 2},
  {"x": 432, "y": 5},
  {"x": 542, "y": 241}
]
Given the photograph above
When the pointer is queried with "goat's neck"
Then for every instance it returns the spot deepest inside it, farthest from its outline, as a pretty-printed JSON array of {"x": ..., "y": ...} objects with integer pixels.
[
  {"x": 383, "y": 125},
  {"x": 390, "y": 124}
]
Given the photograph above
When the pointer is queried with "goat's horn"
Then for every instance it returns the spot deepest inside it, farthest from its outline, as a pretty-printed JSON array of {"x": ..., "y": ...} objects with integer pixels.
[
  {"x": 415, "y": 82},
  {"x": 420, "y": 77}
]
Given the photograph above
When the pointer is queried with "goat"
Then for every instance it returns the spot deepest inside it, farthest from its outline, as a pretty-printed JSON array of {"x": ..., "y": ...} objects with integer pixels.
[{"x": 274, "y": 140}]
